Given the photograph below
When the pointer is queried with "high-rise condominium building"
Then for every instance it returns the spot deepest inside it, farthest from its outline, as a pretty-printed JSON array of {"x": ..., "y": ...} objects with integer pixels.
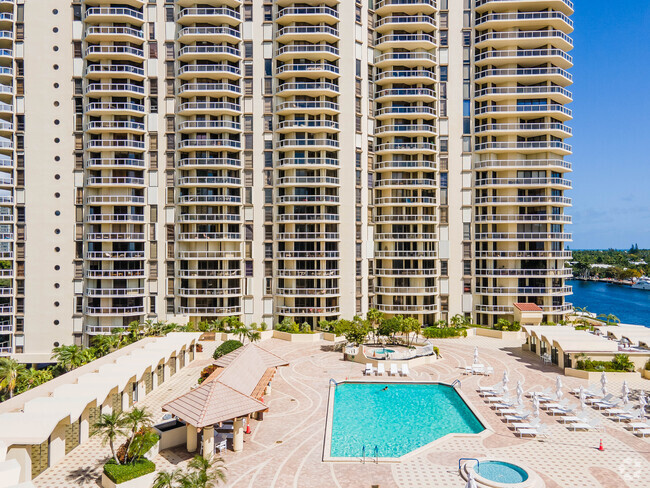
[{"x": 193, "y": 159}]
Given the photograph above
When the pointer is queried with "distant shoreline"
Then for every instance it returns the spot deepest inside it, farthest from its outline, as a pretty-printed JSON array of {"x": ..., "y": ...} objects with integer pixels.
[{"x": 604, "y": 280}]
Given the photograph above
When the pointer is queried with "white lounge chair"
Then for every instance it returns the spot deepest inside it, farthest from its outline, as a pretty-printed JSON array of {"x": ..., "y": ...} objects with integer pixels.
[
  {"x": 380, "y": 369},
  {"x": 606, "y": 399},
  {"x": 393, "y": 369},
  {"x": 618, "y": 411},
  {"x": 638, "y": 425},
  {"x": 527, "y": 425},
  {"x": 369, "y": 369},
  {"x": 642, "y": 432},
  {"x": 519, "y": 417},
  {"x": 561, "y": 404},
  {"x": 545, "y": 392},
  {"x": 592, "y": 425},
  {"x": 565, "y": 410},
  {"x": 541, "y": 430},
  {"x": 405, "y": 369},
  {"x": 489, "y": 370}
]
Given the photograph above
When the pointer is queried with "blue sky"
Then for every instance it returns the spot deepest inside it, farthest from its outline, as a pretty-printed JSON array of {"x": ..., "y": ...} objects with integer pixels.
[{"x": 611, "y": 125}]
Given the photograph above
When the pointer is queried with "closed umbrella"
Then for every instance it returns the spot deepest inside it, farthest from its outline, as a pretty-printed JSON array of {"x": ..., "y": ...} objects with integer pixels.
[
  {"x": 583, "y": 397},
  {"x": 642, "y": 402},
  {"x": 625, "y": 391},
  {"x": 505, "y": 381},
  {"x": 520, "y": 394},
  {"x": 603, "y": 383},
  {"x": 536, "y": 406},
  {"x": 476, "y": 355},
  {"x": 471, "y": 482}
]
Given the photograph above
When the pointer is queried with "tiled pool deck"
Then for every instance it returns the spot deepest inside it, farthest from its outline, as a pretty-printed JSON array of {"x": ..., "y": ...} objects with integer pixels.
[{"x": 285, "y": 450}]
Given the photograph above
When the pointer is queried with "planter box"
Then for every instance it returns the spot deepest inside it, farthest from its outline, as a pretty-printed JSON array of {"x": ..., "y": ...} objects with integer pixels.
[
  {"x": 286, "y": 336},
  {"x": 145, "y": 481},
  {"x": 266, "y": 334},
  {"x": 172, "y": 433},
  {"x": 330, "y": 336},
  {"x": 595, "y": 375},
  {"x": 499, "y": 334},
  {"x": 646, "y": 373}
]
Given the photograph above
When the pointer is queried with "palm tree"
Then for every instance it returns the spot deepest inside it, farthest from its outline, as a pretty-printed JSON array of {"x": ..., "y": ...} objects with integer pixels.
[
  {"x": 68, "y": 357},
  {"x": 411, "y": 324},
  {"x": 135, "y": 420},
  {"x": 204, "y": 473},
  {"x": 106, "y": 344},
  {"x": 374, "y": 318},
  {"x": 31, "y": 378},
  {"x": 457, "y": 320},
  {"x": 110, "y": 426},
  {"x": 610, "y": 318},
  {"x": 10, "y": 370},
  {"x": 167, "y": 480}
]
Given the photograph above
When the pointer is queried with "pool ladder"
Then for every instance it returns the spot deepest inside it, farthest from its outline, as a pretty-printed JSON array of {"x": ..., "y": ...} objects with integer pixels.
[
  {"x": 478, "y": 463},
  {"x": 456, "y": 382},
  {"x": 332, "y": 380},
  {"x": 375, "y": 453}
]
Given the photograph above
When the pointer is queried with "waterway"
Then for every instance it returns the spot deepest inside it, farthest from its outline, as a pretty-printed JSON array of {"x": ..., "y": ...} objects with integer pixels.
[{"x": 630, "y": 305}]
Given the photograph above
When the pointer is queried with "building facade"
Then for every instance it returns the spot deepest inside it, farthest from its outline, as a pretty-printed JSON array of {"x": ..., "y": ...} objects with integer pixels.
[{"x": 188, "y": 160}]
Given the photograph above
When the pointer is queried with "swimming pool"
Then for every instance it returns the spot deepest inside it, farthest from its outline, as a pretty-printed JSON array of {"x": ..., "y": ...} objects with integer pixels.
[
  {"x": 501, "y": 472},
  {"x": 398, "y": 420}
]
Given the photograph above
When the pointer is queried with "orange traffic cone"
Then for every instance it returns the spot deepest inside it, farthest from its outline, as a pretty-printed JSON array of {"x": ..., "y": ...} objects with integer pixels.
[
  {"x": 601, "y": 448},
  {"x": 248, "y": 429}
]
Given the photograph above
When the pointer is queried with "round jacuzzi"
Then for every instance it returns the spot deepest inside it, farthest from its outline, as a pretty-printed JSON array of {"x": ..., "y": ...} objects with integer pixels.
[
  {"x": 500, "y": 474},
  {"x": 384, "y": 351}
]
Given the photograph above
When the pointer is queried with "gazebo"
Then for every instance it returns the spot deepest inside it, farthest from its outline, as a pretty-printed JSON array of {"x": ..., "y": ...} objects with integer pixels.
[{"x": 233, "y": 391}]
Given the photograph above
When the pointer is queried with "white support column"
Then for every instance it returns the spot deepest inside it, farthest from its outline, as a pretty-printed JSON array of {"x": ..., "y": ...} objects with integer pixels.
[
  {"x": 84, "y": 425},
  {"x": 208, "y": 441},
  {"x": 191, "y": 438},
  {"x": 238, "y": 435},
  {"x": 57, "y": 444}
]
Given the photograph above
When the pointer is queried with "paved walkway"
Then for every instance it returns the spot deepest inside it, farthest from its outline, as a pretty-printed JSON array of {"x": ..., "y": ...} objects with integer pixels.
[{"x": 285, "y": 450}]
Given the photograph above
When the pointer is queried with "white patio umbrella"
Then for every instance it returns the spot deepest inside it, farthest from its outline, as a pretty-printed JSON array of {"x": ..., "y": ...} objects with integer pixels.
[
  {"x": 505, "y": 381},
  {"x": 642, "y": 403},
  {"x": 536, "y": 406},
  {"x": 558, "y": 388},
  {"x": 603, "y": 383},
  {"x": 471, "y": 482},
  {"x": 476, "y": 355},
  {"x": 624, "y": 389},
  {"x": 520, "y": 393},
  {"x": 583, "y": 397}
]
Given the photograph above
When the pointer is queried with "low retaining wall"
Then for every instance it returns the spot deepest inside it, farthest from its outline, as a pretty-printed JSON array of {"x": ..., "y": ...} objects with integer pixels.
[
  {"x": 595, "y": 375},
  {"x": 645, "y": 373},
  {"x": 172, "y": 437},
  {"x": 145, "y": 481},
  {"x": 329, "y": 336},
  {"x": 286, "y": 336},
  {"x": 499, "y": 334}
]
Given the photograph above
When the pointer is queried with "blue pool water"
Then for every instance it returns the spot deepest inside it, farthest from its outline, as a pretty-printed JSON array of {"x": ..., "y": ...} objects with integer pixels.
[
  {"x": 384, "y": 351},
  {"x": 398, "y": 420},
  {"x": 501, "y": 472}
]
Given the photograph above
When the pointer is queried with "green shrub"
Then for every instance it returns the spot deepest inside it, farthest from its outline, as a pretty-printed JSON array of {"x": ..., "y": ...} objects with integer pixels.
[
  {"x": 647, "y": 365},
  {"x": 226, "y": 347},
  {"x": 441, "y": 333},
  {"x": 263, "y": 326},
  {"x": 620, "y": 363},
  {"x": 207, "y": 371},
  {"x": 119, "y": 473},
  {"x": 436, "y": 351}
]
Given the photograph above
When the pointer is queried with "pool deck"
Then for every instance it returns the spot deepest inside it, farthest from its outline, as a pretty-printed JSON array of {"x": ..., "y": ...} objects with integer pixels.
[{"x": 285, "y": 450}]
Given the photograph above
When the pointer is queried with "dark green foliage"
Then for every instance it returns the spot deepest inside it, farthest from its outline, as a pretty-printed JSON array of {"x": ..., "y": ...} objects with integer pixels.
[
  {"x": 226, "y": 347},
  {"x": 441, "y": 333},
  {"x": 119, "y": 473}
]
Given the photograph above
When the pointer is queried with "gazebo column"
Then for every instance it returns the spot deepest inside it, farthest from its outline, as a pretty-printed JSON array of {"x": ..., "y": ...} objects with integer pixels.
[
  {"x": 238, "y": 434},
  {"x": 208, "y": 441},
  {"x": 191, "y": 438}
]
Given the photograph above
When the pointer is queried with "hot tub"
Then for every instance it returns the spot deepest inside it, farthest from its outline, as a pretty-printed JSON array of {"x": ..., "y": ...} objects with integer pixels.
[{"x": 500, "y": 474}]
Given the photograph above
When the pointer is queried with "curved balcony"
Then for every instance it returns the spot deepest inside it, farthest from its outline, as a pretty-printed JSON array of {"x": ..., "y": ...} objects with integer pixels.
[
  {"x": 209, "y": 200},
  {"x": 209, "y": 273},
  {"x": 522, "y": 273},
  {"x": 209, "y": 89},
  {"x": 410, "y": 309},
  {"x": 115, "y": 236},
  {"x": 405, "y": 201},
  {"x": 524, "y": 147},
  {"x": 208, "y": 181},
  {"x": 526, "y": 290},
  {"x": 211, "y": 53},
  {"x": 308, "y": 181},
  {"x": 400, "y": 272},
  {"x": 209, "y": 292},
  {"x": 216, "y": 144},
  {"x": 308, "y": 273},
  {"x": 384, "y": 7},
  {"x": 409, "y": 112},
  {"x": 188, "y": 35},
  {"x": 208, "y": 236},
  {"x": 554, "y": 110},
  {"x": 295, "y": 255},
  {"x": 523, "y": 57},
  {"x": 310, "y": 51},
  {"x": 412, "y": 130},
  {"x": 205, "y": 311},
  {"x": 307, "y": 236},
  {"x": 406, "y": 76},
  {"x": 529, "y": 129},
  {"x": 402, "y": 182},
  {"x": 524, "y": 39},
  {"x": 212, "y": 255},
  {"x": 213, "y": 218},
  {"x": 115, "y": 108},
  {"x": 313, "y": 144},
  {"x": 100, "y": 218},
  {"x": 224, "y": 108},
  {"x": 216, "y": 71},
  {"x": 411, "y": 165},
  {"x": 115, "y": 89},
  {"x": 104, "y": 33},
  {"x": 410, "y": 218},
  {"x": 407, "y": 23},
  {"x": 400, "y": 236},
  {"x": 209, "y": 162},
  {"x": 121, "y": 53},
  {"x": 522, "y": 218},
  {"x": 523, "y": 236},
  {"x": 115, "y": 162},
  {"x": 556, "y": 93},
  {"x": 114, "y": 255},
  {"x": 307, "y": 217},
  {"x": 406, "y": 290},
  {"x": 317, "y": 70},
  {"x": 565, "y": 6},
  {"x": 522, "y": 200},
  {"x": 523, "y": 254},
  {"x": 114, "y": 181},
  {"x": 307, "y": 292},
  {"x": 527, "y": 20},
  {"x": 424, "y": 95},
  {"x": 99, "y": 71},
  {"x": 315, "y": 15},
  {"x": 302, "y": 162},
  {"x": 307, "y": 107},
  {"x": 501, "y": 164},
  {"x": 406, "y": 148},
  {"x": 227, "y": 126},
  {"x": 114, "y": 273},
  {"x": 405, "y": 41},
  {"x": 114, "y": 292},
  {"x": 525, "y": 75},
  {"x": 310, "y": 33},
  {"x": 299, "y": 125},
  {"x": 221, "y": 15},
  {"x": 117, "y": 15},
  {"x": 409, "y": 59},
  {"x": 315, "y": 310},
  {"x": 312, "y": 89},
  {"x": 114, "y": 200},
  {"x": 115, "y": 145},
  {"x": 111, "y": 311}
]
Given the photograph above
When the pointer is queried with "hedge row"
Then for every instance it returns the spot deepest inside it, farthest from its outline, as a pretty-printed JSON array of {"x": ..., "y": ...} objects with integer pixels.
[{"x": 119, "y": 473}]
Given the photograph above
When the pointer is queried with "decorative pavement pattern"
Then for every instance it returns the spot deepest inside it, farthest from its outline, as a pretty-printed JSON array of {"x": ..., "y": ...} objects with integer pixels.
[{"x": 285, "y": 449}]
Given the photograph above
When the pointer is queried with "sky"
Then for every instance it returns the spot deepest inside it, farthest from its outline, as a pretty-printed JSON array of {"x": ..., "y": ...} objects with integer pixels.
[{"x": 611, "y": 124}]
